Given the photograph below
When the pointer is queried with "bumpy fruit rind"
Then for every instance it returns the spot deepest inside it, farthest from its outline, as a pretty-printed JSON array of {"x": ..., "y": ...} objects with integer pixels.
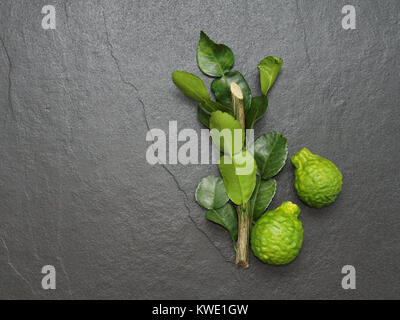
[
  {"x": 317, "y": 180},
  {"x": 277, "y": 236}
]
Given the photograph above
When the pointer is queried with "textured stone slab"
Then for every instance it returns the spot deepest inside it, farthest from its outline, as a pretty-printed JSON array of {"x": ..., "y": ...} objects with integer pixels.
[{"x": 76, "y": 191}]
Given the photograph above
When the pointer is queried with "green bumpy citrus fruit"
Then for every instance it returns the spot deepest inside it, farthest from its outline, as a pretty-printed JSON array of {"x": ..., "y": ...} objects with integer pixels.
[
  {"x": 317, "y": 180},
  {"x": 277, "y": 236}
]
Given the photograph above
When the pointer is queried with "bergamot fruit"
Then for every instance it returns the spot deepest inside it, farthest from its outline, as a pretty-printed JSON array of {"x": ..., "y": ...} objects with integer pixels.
[
  {"x": 277, "y": 236},
  {"x": 317, "y": 180}
]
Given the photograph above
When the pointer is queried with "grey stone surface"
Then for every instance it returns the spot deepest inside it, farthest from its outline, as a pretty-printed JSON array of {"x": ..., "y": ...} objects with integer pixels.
[{"x": 76, "y": 191}]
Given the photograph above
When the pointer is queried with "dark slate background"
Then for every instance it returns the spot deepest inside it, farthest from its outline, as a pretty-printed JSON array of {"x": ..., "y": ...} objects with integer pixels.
[{"x": 76, "y": 191}]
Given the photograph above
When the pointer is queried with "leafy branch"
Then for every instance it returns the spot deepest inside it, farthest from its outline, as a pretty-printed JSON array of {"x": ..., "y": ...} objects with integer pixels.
[{"x": 235, "y": 110}]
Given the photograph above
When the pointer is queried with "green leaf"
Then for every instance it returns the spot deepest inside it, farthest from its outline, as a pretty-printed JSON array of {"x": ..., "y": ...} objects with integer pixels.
[
  {"x": 214, "y": 106},
  {"x": 227, "y": 218},
  {"x": 269, "y": 68},
  {"x": 228, "y": 140},
  {"x": 203, "y": 115},
  {"x": 258, "y": 108},
  {"x": 190, "y": 85},
  {"x": 270, "y": 152},
  {"x": 222, "y": 90},
  {"x": 239, "y": 174},
  {"x": 213, "y": 59},
  {"x": 262, "y": 196},
  {"x": 210, "y": 193},
  {"x": 205, "y": 109}
]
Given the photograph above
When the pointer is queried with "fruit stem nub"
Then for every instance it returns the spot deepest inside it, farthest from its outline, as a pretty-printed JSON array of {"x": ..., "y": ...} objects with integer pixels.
[{"x": 300, "y": 157}]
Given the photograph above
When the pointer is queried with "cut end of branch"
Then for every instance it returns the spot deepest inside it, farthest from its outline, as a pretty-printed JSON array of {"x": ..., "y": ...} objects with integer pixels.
[
  {"x": 242, "y": 264},
  {"x": 236, "y": 91}
]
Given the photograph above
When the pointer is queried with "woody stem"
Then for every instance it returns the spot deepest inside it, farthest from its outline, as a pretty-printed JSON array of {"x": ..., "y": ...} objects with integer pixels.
[{"x": 244, "y": 211}]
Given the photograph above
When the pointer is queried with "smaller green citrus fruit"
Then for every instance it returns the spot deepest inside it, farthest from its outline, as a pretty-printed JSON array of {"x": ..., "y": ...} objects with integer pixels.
[{"x": 317, "y": 180}]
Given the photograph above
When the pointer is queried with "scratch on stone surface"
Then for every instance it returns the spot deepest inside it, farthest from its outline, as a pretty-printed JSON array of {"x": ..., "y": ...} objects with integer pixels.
[
  {"x": 58, "y": 239},
  {"x": 116, "y": 61},
  {"x": 9, "y": 262},
  {"x": 61, "y": 262},
  {"x": 66, "y": 15},
  {"x": 59, "y": 258},
  {"x": 66, "y": 10},
  {"x": 190, "y": 217},
  {"x": 67, "y": 146},
  {"x": 128, "y": 83},
  {"x": 35, "y": 251},
  {"x": 305, "y": 41},
  {"x": 10, "y": 103}
]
